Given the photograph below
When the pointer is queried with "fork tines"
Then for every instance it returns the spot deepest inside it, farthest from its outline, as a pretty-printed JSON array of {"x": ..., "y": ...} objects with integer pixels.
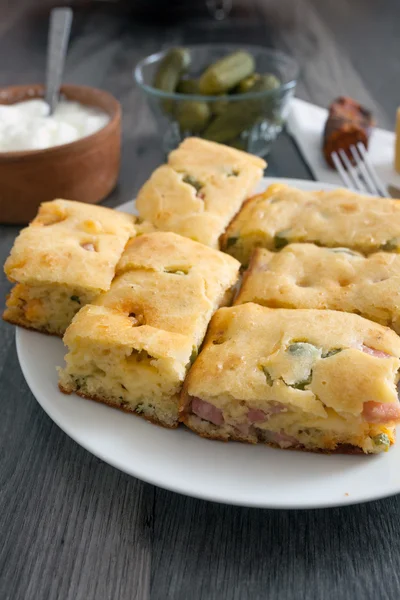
[{"x": 362, "y": 176}]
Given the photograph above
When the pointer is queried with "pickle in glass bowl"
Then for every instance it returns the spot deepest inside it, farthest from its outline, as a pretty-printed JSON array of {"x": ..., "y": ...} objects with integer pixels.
[
  {"x": 226, "y": 73},
  {"x": 170, "y": 69},
  {"x": 188, "y": 86},
  {"x": 223, "y": 92},
  {"x": 193, "y": 116}
]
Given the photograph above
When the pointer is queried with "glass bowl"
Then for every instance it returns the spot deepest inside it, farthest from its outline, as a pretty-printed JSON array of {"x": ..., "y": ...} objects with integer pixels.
[{"x": 252, "y": 120}]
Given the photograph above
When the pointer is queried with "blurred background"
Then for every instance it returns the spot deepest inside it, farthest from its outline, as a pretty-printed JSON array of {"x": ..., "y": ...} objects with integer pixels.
[
  {"x": 343, "y": 46},
  {"x": 348, "y": 47}
]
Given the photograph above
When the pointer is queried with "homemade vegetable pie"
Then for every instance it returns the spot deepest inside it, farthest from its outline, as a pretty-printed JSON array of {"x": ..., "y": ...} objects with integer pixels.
[
  {"x": 132, "y": 347},
  {"x": 306, "y": 276},
  {"x": 337, "y": 218},
  {"x": 63, "y": 260},
  {"x": 306, "y": 379},
  {"x": 200, "y": 189}
]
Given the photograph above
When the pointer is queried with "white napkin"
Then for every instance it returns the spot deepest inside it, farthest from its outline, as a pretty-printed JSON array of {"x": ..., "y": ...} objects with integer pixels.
[{"x": 306, "y": 124}]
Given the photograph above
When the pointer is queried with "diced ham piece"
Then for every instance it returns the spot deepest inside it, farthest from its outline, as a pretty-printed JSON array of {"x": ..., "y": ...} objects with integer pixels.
[
  {"x": 89, "y": 247},
  {"x": 281, "y": 439},
  {"x": 244, "y": 428},
  {"x": 378, "y": 412},
  {"x": 374, "y": 352},
  {"x": 256, "y": 415},
  {"x": 207, "y": 411}
]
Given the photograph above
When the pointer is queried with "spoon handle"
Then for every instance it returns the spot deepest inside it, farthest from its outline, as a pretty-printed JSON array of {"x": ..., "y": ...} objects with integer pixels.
[{"x": 60, "y": 27}]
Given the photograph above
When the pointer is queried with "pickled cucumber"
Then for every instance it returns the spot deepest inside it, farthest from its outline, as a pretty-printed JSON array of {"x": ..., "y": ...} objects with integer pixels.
[
  {"x": 266, "y": 82},
  {"x": 226, "y": 73},
  {"x": 238, "y": 143},
  {"x": 174, "y": 63},
  {"x": 237, "y": 117},
  {"x": 188, "y": 86},
  {"x": 219, "y": 106},
  {"x": 247, "y": 83},
  {"x": 192, "y": 116},
  {"x": 258, "y": 83}
]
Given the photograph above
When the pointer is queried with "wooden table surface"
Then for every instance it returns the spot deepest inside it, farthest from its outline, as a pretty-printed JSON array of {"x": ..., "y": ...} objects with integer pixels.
[{"x": 74, "y": 528}]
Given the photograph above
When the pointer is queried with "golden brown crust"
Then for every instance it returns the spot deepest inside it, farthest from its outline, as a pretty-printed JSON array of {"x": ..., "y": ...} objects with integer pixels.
[
  {"x": 199, "y": 190},
  {"x": 41, "y": 330},
  {"x": 70, "y": 244},
  {"x": 340, "y": 448},
  {"x": 331, "y": 218},
  {"x": 143, "y": 332},
  {"x": 94, "y": 326},
  {"x": 243, "y": 337},
  {"x": 245, "y": 341},
  {"x": 118, "y": 407},
  {"x": 224, "y": 237},
  {"x": 308, "y": 276},
  {"x": 247, "y": 274}
]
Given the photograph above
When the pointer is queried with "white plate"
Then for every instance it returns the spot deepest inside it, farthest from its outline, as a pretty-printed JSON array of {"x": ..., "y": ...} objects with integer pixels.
[{"x": 179, "y": 460}]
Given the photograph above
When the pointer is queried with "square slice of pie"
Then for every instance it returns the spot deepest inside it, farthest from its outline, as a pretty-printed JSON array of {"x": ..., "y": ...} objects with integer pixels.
[
  {"x": 132, "y": 348},
  {"x": 335, "y": 218},
  {"x": 307, "y": 276},
  {"x": 62, "y": 261},
  {"x": 304, "y": 379},
  {"x": 199, "y": 190}
]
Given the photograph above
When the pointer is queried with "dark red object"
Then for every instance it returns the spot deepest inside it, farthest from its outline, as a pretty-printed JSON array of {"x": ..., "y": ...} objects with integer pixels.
[{"x": 348, "y": 123}]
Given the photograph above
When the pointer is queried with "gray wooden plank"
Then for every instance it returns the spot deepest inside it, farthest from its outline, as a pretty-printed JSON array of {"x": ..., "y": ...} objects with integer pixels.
[
  {"x": 72, "y": 527},
  {"x": 216, "y": 551}
]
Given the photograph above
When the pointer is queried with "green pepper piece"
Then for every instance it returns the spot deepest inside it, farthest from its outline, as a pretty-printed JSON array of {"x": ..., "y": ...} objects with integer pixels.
[
  {"x": 304, "y": 354},
  {"x": 231, "y": 241},
  {"x": 75, "y": 299},
  {"x": 300, "y": 385},
  {"x": 193, "y": 182},
  {"x": 382, "y": 440},
  {"x": 345, "y": 251},
  {"x": 391, "y": 245},
  {"x": 301, "y": 348},
  {"x": 193, "y": 356},
  {"x": 280, "y": 240},
  {"x": 268, "y": 377},
  {"x": 332, "y": 352}
]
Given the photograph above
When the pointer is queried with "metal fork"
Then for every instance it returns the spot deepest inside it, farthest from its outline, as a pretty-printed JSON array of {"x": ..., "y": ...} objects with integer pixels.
[{"x": 361, "y": 177}]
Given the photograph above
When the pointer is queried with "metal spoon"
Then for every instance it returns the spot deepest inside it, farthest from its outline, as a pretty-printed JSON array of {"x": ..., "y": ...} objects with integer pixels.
[{"x": 60, "y": 27}]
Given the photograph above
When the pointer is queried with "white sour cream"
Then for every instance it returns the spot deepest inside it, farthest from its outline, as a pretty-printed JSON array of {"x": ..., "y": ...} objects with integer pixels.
[{"x": 26, "y": 126}]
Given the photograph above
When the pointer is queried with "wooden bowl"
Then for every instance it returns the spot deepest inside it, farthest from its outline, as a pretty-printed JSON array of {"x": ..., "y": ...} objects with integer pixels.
[{"x": 84, "y": 170}]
